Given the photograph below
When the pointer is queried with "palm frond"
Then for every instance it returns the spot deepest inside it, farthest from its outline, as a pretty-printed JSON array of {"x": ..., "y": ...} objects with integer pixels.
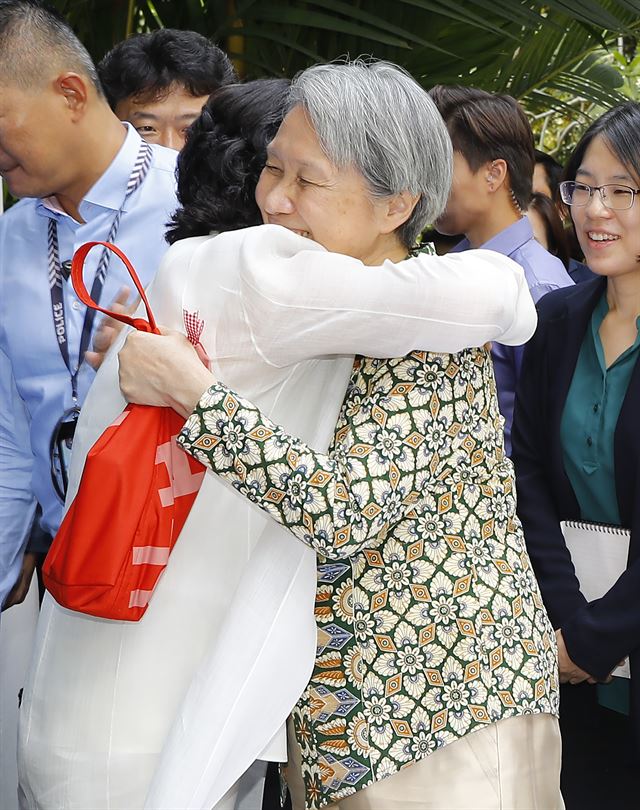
[{"x": 537, "y": 50}]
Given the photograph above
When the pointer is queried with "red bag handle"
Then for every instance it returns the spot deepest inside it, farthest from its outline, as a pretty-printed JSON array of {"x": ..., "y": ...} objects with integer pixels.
[{"x": 77, "y": 279}]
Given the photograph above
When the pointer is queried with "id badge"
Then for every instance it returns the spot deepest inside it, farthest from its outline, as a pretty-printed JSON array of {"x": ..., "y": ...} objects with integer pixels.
[{"x": 60, "y": 450}]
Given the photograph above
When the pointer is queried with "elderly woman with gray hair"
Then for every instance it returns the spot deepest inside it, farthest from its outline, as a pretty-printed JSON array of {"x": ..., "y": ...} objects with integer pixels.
[{"x": 434, "y": 650}]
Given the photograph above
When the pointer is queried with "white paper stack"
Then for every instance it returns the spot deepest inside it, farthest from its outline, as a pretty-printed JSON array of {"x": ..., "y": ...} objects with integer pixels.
[{"x": 599, "y": 554}]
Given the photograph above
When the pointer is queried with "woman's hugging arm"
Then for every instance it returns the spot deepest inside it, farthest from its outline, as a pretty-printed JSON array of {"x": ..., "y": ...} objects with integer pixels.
[
  {"x": 301, "y": 301},
  {"x": 337, "y": 503}
]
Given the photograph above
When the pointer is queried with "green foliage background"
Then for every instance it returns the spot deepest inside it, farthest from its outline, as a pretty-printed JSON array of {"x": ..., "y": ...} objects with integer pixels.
[{"x": 564, "y": 60}]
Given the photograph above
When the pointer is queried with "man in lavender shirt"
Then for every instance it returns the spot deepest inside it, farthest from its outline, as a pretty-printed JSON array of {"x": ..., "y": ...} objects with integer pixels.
[{"x": 493, "y": 164}]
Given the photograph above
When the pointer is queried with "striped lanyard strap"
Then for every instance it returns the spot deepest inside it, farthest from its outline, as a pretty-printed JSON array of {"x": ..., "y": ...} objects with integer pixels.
[{"x": 138, "y": 175}]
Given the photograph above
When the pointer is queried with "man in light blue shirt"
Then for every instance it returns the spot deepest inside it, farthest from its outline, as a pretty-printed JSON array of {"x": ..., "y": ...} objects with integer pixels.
[
  {"x": 492, "y": 177},
  {"x": 83, "y": 176}
]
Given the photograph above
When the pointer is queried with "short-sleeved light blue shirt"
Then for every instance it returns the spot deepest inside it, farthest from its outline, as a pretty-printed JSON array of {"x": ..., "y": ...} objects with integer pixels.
[{"x": 35, "y": 387}]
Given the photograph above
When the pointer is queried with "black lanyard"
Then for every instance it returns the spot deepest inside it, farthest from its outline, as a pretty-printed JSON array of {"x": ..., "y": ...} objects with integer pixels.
[{"x": 138, "y": 174}]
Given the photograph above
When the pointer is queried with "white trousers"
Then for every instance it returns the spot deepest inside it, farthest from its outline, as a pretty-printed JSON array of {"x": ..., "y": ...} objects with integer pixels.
[{"x": 510, "y": 765}]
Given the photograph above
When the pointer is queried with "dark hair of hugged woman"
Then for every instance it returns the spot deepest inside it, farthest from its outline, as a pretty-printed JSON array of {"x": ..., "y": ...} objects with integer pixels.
[{"x": 225, "y": 151}]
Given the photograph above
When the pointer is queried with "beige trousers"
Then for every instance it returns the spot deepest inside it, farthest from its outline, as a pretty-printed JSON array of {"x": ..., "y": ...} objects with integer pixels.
[{"x": 510, "y": 765}]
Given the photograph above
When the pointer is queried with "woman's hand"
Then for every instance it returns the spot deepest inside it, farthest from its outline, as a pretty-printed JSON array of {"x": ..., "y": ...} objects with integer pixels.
[
  {"x": 569, "y": 672},
  {"x": 162, "y": 370}
]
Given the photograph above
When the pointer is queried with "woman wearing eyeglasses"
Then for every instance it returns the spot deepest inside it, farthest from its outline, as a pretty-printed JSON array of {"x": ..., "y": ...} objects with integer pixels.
[{"x": 576, "y": 449}]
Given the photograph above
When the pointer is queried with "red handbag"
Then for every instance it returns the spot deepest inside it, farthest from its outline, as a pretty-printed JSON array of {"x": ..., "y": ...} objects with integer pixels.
[{"x": 136, "y": 491}]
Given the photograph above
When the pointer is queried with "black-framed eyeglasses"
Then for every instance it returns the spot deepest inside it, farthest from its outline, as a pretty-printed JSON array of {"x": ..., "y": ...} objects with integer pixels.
[
  {"x": 613, "y": 196},
  {"x": 60, "y": 450}
]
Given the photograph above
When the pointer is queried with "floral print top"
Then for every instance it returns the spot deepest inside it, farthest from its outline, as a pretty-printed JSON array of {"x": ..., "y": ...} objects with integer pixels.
[{"x": 430, "y": 621}]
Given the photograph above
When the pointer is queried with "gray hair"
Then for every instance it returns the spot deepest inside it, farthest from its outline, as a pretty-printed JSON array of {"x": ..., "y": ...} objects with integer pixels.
[
  {"x": 34, "y": 39},
  {"x": 375, "y": 117}
]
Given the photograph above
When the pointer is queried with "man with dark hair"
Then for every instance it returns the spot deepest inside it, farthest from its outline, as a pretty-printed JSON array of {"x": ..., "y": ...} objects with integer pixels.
[
  {"x": 160, "y": 81},
  {"x": 493, "y": 165},
  {"x": 83, "y": 176}
]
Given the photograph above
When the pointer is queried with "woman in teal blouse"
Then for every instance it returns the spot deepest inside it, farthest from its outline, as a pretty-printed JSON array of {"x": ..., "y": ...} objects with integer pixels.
[{"x": 576, "y": 447}]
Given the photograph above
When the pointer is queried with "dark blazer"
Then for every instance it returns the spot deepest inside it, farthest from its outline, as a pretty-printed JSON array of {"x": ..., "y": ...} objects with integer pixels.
[
  {"x": 598, "y": 635},
  {"x": 580, "y": 272}
]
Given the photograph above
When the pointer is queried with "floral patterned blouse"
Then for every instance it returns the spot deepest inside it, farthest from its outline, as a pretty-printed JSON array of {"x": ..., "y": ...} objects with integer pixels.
[{"x": 430, "y": 621}]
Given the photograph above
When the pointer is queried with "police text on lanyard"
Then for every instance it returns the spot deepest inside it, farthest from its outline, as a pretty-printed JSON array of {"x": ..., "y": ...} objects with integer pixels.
[
  {"x": 138, "y": 174},
  {"x": 64, "y": 430}
]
